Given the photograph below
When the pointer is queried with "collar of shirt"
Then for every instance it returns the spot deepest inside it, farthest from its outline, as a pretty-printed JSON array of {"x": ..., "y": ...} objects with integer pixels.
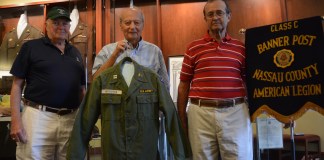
[
  {"x": 208, "y": 38},
  {"x": 46, "y": 40},
  {"x": 133, "y": 50},
  {"x": 117, "y": 73}
]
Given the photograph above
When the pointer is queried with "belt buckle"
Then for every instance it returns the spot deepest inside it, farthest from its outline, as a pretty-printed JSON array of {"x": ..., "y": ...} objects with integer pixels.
[
  {"x": 217, "y": 103},
  {"x": 223, "y": 104}
]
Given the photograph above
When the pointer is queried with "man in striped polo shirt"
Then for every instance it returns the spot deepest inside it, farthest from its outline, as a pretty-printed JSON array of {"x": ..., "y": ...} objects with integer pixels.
[{"x": 213, "y": 80}]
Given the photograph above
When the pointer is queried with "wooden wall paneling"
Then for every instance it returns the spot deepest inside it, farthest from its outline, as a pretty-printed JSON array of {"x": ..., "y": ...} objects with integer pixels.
[
  {"x": 284, "y": 13},
  {"x": 150, "y": 32},
  {"x": 44, "y": 17},
  {"x": 298, "y": 9},
  {"x": 150, "y": 24},
  {"x": 158, "y": 19},
  {"x": 113, "y": 21},
  {"x": 99, "y": 25},
  {"x": 181, "y": 23},
  {"x": 253, "y": 13},
  {"x": 106, "y": 22},
  {"x": 25, "y": 3}
]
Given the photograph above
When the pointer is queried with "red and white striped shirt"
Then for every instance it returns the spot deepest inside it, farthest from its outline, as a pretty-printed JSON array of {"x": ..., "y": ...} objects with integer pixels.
[{"x": 215, "y": 70}]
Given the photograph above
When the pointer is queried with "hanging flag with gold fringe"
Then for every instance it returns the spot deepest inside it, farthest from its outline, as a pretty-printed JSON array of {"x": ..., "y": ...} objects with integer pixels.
[{"x": 285, "y": 72}]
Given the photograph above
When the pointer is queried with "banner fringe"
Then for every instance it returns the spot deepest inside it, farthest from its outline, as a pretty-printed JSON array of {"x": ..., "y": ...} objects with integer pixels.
[{"x": 287, "y": 119}]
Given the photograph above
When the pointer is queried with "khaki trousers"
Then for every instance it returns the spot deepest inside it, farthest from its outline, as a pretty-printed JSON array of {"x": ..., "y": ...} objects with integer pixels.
[{"x": 224, "y": 132}]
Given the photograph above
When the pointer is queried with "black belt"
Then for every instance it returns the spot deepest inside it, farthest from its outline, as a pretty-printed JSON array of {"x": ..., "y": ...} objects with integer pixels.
[
  {"x": 217, "y": 103},
  {"x": 59, "y": 111}
]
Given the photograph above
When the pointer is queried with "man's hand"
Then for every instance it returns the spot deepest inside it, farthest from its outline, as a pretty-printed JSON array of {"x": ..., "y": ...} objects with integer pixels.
[
  {"x": 121, "y": 47},
  {"x": 183, "y": 92},
  {"x": 17, "y": 131}
]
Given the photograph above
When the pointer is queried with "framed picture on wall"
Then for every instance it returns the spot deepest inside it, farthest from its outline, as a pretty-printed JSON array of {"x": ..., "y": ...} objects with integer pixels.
[{"x": 175, "y": 64}]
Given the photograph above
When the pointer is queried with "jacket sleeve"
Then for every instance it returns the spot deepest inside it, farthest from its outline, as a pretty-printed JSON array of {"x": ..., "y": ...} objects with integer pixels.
[
  {"x": 4, "y": 52},
  {"x": 87, "y": 116},
  {"x": 175, "y": 133}
]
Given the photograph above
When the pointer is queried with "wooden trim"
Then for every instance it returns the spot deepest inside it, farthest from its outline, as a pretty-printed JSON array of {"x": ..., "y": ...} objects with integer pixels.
[
  {"x": 98, "y": 26},
  {"x": 44, "y": 18},
  {"x": 159, "y": 28},
  {"x": 107, "y": 22},
  {"x": 32, "y": 3},
  {"x": 284, "y": 12},
  {"x": 90, "y": 51}
]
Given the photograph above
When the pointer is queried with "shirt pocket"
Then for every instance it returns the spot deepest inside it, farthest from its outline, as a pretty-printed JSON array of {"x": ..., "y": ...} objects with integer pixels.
[
  {"x": 153, "y": 67},
  {"x": 148, "y": 106},
  {"x": 11, "y": 44},
  {"x": 80, "y": 39},
  {"x": 111, "y": 107}
]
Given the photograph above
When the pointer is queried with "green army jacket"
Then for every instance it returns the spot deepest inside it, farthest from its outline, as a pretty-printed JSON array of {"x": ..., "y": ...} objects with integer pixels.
[
  {"x": 11, "y": 45},
  {"x": 129, "y": 117}
]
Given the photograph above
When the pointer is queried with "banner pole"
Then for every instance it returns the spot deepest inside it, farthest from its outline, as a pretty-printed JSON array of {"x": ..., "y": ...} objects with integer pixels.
[{"x": 293, "y": 149}]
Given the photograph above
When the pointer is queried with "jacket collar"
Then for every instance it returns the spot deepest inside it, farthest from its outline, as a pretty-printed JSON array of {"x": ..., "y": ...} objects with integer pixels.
[
  {"x": 80, "y": 28},
  {"x": 139, "y": 73}
]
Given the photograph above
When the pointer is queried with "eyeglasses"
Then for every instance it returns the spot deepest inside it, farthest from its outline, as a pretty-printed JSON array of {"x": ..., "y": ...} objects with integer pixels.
[
  {"x": 218, "y": 13},
  {"x": 129, "y": 22}
]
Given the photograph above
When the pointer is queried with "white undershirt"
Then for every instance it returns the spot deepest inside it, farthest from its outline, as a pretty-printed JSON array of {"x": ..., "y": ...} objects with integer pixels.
[{"x": 128, "y": 71}]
